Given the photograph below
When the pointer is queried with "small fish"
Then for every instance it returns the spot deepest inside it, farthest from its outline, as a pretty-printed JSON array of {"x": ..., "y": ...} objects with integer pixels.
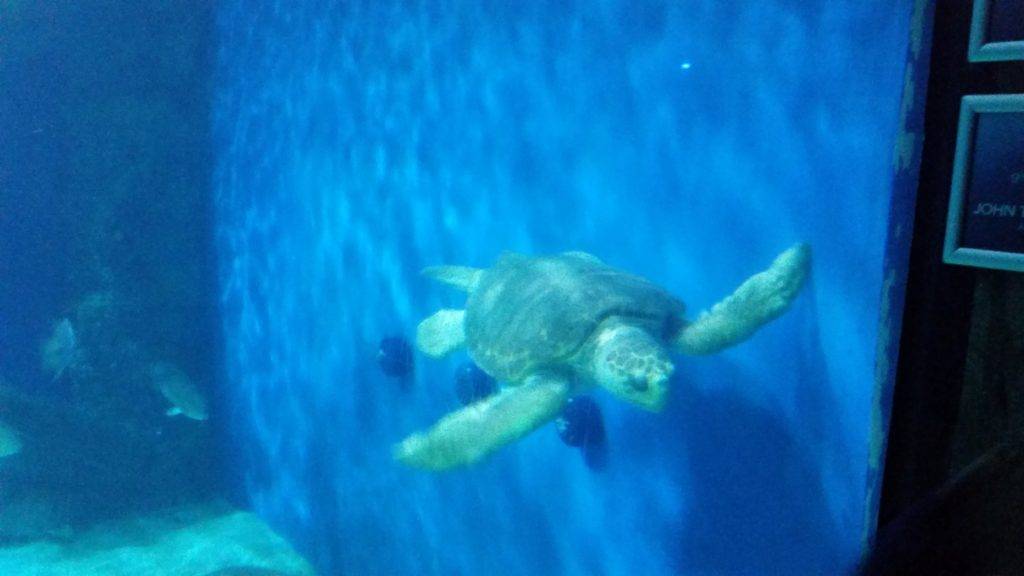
[
  {"x": 178, "y": 389},
  {"x": 10, "y": 442},
  {"x": 60, "y": 350}
]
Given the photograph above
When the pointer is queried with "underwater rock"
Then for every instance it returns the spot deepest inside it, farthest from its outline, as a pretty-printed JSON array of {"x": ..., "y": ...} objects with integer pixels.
[
  {"x": 394, "y": 356},
  {"x": 214, "y": 539},
  {"x": 60, "y": 350},
  {"x": 179, "y": 390},
  {"x": 127, "y": 260},
  {"x": 10, "y": 441},
  {"x": 473, "y": 384}
]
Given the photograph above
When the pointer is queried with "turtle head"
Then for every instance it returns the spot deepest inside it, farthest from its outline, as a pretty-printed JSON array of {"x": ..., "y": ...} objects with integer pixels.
[{"x": 631, "y": 364}]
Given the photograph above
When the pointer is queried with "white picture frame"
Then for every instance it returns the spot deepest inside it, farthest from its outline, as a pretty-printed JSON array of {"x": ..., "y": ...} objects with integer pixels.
[
  {"x": 953, "y": 251},
  {"x": 980, "y": 49}
]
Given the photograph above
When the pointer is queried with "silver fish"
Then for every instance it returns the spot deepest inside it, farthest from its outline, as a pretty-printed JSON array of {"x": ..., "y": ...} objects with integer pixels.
[
  {"x": 179, "y": 390},
  {"x": 60, "y": 350},
  {"x": 10, "y": 442}
]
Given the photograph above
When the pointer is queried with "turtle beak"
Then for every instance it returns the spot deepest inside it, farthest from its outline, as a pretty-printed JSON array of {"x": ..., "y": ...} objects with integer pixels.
[
  {"x": 630, "y": 364},
  {"x": 648, "y": 391}
]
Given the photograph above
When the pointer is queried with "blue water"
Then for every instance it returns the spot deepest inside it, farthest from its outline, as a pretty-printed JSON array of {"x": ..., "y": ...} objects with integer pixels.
[{"x": 688, "y": 142}]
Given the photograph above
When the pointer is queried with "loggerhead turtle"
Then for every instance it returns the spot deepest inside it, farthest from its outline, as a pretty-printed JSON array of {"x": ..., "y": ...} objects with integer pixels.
[{"x": 549, "y": 327}]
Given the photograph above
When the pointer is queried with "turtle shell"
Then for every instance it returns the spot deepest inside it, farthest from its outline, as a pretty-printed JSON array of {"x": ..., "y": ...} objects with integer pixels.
[{"x": 533, "y": 312}]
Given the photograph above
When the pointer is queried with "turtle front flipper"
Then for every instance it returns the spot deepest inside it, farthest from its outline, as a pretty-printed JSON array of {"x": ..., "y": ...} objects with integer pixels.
[
  {"x": 759, "y": 300},
  {"x": 467, "y": 435},
  {"x": 442, "y": 333}
]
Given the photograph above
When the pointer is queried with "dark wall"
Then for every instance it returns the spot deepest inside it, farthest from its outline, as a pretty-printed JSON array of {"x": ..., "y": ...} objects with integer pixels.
[
  {"x": 105, "y": 219},
  {"x": 939, "y": 317},
  {"x": 954, "y": 471},
  {"x": 992, "y": 400}
]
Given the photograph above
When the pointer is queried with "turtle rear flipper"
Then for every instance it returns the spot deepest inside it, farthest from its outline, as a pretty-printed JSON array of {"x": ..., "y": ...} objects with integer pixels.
[
  {"x": 759, "y": 300},
  {"x": 462, "y": 277},
  {"x": 464, "y": 437},
  {"x": 442, "y": 333}
]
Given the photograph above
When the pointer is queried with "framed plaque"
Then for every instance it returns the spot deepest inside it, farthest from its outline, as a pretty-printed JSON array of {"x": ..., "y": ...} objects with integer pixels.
[
  {"x": 997, "y": 31},
  {"x": 985, "y": 224}
]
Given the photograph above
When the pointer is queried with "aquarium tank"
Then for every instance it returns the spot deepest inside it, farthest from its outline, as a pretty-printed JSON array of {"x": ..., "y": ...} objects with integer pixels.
[{"x": 414, "y": 287}]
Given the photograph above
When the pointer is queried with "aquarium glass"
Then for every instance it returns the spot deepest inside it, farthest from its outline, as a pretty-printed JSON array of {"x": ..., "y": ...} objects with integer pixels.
[{"x": 686, "y": 142}]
